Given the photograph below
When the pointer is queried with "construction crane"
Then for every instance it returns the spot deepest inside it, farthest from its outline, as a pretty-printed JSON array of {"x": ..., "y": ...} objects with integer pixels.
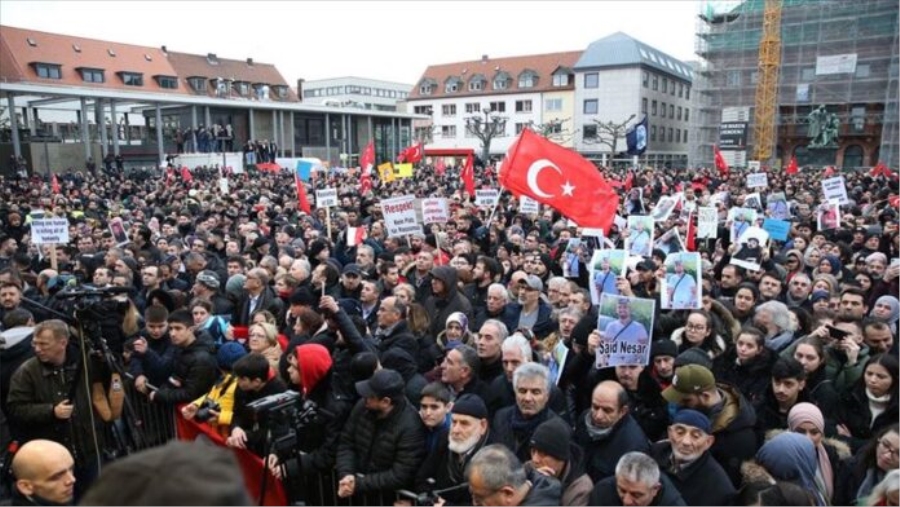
[{"x": 767, "y": 86}]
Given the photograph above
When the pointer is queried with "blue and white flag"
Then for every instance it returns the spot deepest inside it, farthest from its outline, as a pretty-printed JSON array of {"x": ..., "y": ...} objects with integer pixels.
[{"x": 637, "y": 138}]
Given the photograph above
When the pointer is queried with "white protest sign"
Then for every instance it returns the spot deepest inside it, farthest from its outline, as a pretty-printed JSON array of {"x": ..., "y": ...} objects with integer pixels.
[
  {"x": 326, "y": 198},
  {"x": 707, "y": 222},
  {"x": 835, "y": 189},
  {"x": 486, "y": 197},
  {"x": 753, "y": 165},
  {"x": 528, "y": 206},
  {"x": 49, "y": 230},
  {"x": 223, "y": 185},
  {"x": 592, "y": 231},
  {"x": 757, "y": 180},
  {"x": 435, "y": 210},
  {"x": 400, "y": 215}
]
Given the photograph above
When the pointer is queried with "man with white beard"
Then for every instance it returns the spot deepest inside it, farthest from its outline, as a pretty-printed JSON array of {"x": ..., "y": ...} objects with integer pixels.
[
  {"x": 686, "y": 460},
  {"x": 447, "y": 464}
]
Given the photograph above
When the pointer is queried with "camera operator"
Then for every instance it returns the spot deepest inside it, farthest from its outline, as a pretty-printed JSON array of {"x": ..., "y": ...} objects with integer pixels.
[
  {"x": 256, "y": 379},
  {"x": 49, "y": 399},
  {"x": 310, "y": 370}
]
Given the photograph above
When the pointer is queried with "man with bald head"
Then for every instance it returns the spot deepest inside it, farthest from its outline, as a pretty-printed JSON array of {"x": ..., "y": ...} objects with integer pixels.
[
  {"x": 44, "y": 474},
  {"x": 607, "y": 430}
]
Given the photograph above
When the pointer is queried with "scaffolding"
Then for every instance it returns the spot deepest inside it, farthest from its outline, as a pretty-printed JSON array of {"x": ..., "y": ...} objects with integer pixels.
[{"x": 863, "y": 95}]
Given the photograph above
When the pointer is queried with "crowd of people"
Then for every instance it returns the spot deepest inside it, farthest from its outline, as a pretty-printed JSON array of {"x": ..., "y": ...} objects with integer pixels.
[{"x": 432, "y": 362}]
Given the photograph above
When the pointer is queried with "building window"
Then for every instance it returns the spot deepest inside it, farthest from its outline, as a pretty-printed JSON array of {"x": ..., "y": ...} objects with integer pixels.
[
  {"x": 553, "y": 105},
  {"x": 422, "y": 110},
  {"x": 197, "y": 83},
  {"x": 591, "y": 80},
  {"x": 644, "y": 106},
  {"x": 687, "y": 92},
  {"x": 92, "y": 76},
  {"x": 281, "y": 91},
  {"x": 858, "y": 119},
  {"x": 672, "y": 89},
  {"x": 590, "y": 131},
  {"x": 448, "y": 110},
  {"x": 476, "y": 85},
  {"x": 498, "y": 107},
  {"x": 677, "y": 135},
  {"x": 671, "y": 134},
  {"x": 560, "y": 80},
  {"x": 687, "y": 114},
  {"x": 662, "y": 111},
  {"x": 679, "y": 112},
  {"x": 733, "y": 78},
  {"x": 167, "y": 82},
  {"x": 473, "y": 107},
  {"x": 520, "y": 127},
  {"x": 132, "y": 79},
  {"x": 590, "y": 106},
  {"x": 48, "y": 70},
  {"x": 500, "y": 83},
  {"x": 653, "y": 106},
  {"x": 645, "y": 79},
  {"x": 680, "y": 90},
  {"x": 527, "y": 80},
  {"x": 863, "y": 70},
  {"x": 655, "y": 82},
  {"x": 665, "y": 85},
  {"x": 425, "y": 90},
  {"x": 451, "y": 87},
  {"x": 448, "y": 131},
  {"x": 523, "y": 106},
  {"x": 243, "y": 88},
  {"x": 652, "y": 132},
  {"x": 423, "y": 133},
  {"x": 671, "y": 111}
]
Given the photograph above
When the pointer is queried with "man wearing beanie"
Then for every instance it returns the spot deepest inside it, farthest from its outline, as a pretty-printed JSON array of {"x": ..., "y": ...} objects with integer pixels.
[
  {"x": 469, "y": 432},
  {"x": 554, "y": 454},
  {"x": 731, "y": 415},
  {"x": 684, "y": 457},
  {"x": 662, "y": 355}
]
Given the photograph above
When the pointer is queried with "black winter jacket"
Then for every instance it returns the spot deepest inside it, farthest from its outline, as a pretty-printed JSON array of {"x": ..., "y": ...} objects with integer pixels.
[
  {"x": 703, "y": 482},
  {"x": 388, "y": 451},
  {"x": 517, "y": 441},
  {"x": 606, "y": 493},
  {"x": 195, "y": 371},
  {"x": 602, "y": 454},
  {"x": 439, "y": 308}
]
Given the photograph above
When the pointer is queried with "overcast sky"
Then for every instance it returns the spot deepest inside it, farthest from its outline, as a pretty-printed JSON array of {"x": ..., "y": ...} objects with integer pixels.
[{"x": 394, "y": 41}]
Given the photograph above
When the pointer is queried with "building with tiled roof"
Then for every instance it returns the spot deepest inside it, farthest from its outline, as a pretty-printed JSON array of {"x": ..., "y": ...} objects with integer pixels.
[
  {"x": 523, "y": 90},
  {"x": 620, "y": 79},
  {"x": 114, "y": 95}
]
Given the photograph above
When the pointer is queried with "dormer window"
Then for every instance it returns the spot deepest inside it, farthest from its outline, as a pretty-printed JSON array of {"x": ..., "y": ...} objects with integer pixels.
[
  {"x": 132, "y": 78},
  {"x": 427, "y": 87},
  {"x": 560, "y": 80},
  {"x": 452, "y": 84},
  {"x": 501, "y": 81},
  {"x": 281, "y": 91},
  {"x": 167, "y": 82},
  {"x": 528, "y": 79},
  {"x": 476, "y": 83},
  {"x": 198, "y": 84},
  {"x": 47, "y": 70},
  {"x": 89, "y": 75},
  {"x": 242, "y": 88}
]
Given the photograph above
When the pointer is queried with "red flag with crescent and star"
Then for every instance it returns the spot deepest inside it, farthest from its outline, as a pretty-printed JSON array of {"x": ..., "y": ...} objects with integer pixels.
[
  {"x": 560, "y": 177},
  {"x": 468, "y": 175},
  {"x": 367, "y": 160},
  {"x": 721, "y": 164}
]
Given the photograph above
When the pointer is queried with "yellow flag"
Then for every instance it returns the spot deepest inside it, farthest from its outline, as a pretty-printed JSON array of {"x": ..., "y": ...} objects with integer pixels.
[
  {"x": 386, "y": 172},
  {"x": 404, "y": 170}
]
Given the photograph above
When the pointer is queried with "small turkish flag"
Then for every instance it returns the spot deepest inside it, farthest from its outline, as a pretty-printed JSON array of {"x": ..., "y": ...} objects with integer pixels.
[
  {"x": 439, "y": 167},
  {"x": 302, "y": 200},
  {"x": 560, "y": 177},
  {"x": 721, "y": 164},
  {"x": 186, "y": 174},
  {"x": 468, "y": 175},
  {"x": 54, "y": 185},
  {"x": 365, "y": 182},
  {"x": 792, "y": 167}
]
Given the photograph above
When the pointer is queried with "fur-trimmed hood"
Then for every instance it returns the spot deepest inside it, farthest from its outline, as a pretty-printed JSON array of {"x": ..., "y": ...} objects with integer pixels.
[
  {"x": 841, "y": 449},
  {"x": 677, "y": 337}
]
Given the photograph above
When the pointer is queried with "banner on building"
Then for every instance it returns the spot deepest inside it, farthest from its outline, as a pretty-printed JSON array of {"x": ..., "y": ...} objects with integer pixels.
[
  {"x": 836, "y": 64},
  {"x": 733, "y": 136}
]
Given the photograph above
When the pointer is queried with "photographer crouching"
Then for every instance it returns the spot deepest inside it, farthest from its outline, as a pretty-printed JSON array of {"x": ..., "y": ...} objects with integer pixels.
[{"x": 307, "y": 456}]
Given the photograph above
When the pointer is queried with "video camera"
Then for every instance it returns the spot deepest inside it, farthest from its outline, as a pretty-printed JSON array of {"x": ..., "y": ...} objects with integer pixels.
[
  {"x": 287, "y": 409},
  {"x": 204, "y": 412},
  {"x": 431, "y": 496}
]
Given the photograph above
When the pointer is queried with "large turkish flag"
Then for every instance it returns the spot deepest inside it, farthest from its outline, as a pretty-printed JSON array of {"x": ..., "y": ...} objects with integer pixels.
[{"x": 560, "y": 177}]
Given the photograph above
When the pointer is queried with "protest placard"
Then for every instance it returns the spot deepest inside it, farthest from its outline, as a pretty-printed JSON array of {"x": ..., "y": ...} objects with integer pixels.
[
  {"x": 625, "y": 325},
  {"x": 835, "y": 189},
  {"x": 707, "y": 222},
  {"x": 49, "y": 230},
  {"x": 757, "y": 180},
  {"x": 777, "y": 229},
  {"x": 435, "y": 210},
  {"x": 486, "y": 197},
  {"x": 400, "y": 215},
  {"x": 753, "y": 165},
  {"x": 326, "y": 198},
  {"x": 528, "y": 206}
]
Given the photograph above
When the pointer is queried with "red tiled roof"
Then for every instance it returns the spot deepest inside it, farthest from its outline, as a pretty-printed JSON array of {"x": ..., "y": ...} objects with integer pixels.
[
  {"x": 17, "y": 56},
  {"x": 542, "y": 65},
  {"x": 189, "y": 65}
]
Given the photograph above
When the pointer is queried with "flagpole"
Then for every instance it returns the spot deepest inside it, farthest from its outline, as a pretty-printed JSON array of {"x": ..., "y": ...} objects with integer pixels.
[
  {"x": 494, "y": 210},
  {"x": 328, "y": 220}
]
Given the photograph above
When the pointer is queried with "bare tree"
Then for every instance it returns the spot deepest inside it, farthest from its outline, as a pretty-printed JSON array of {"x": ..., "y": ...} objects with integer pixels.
[
  {"x": 553, "y": 130},
  {"x": 609, "y": 133},
  {"x": 424, "y": 133},
  {"x": 486, "y": 129}
]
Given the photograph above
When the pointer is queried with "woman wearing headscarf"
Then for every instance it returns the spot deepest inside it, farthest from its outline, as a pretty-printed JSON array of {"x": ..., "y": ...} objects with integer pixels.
[
  {"x": 806, "y": 418},
  {"x": 887, "y": 309},
  {"x": 791, "y": 457}
]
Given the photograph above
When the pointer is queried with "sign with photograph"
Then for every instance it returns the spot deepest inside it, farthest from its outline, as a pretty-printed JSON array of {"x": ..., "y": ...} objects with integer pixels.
[
  {"x": 606, "y": 267},
  {"x": 625, "y": 325},
  {"x": 681, "y": 289}
]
